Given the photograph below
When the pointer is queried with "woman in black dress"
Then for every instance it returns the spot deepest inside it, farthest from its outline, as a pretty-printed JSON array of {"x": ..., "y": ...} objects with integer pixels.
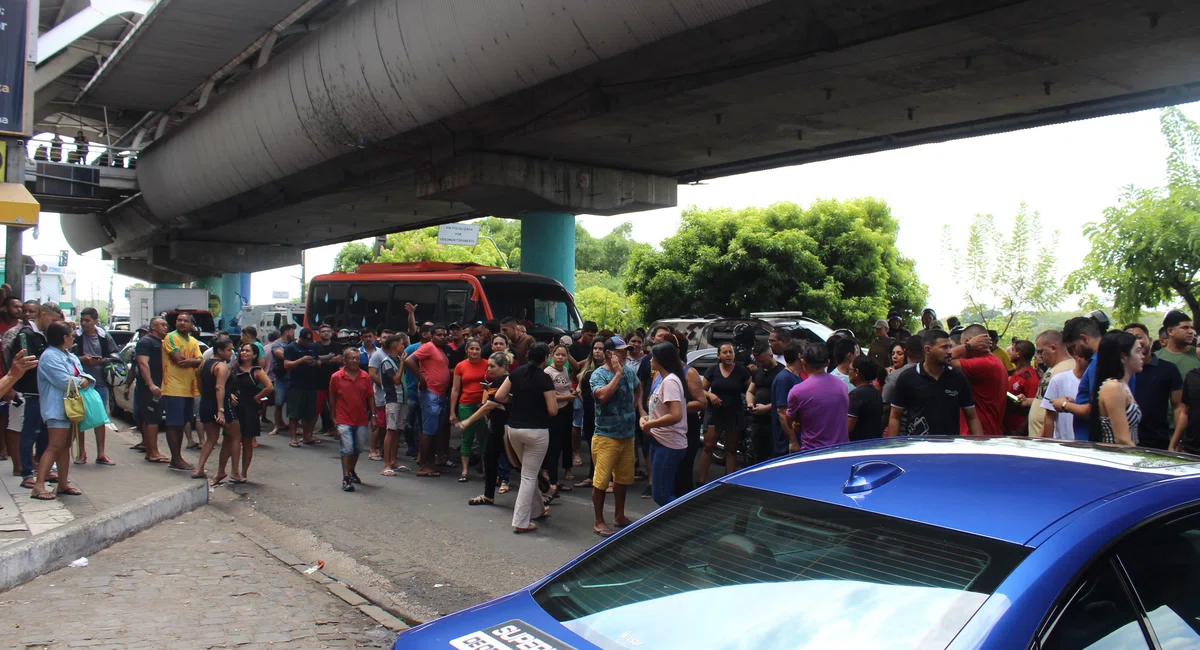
[
  {"x": 250, "y": 384},
  {"x": 725, "y": 387}
]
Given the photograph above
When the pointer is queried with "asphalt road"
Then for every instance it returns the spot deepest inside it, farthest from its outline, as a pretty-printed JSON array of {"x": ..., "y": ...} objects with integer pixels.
[{"x": 415, "y": 537}]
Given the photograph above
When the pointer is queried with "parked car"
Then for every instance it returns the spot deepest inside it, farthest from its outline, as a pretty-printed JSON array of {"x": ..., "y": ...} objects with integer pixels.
[{"x": 1002, "y": 543}]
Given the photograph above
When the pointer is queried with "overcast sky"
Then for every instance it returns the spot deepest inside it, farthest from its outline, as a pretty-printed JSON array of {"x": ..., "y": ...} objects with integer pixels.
[{"x": 1069, "y": 173}]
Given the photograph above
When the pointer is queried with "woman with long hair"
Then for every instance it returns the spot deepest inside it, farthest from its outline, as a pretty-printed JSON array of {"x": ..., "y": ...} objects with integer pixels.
[
  {"x": 595, "y": 360},
  {"x": 215, "y": 410},
  {"x": 466, "y": 397},
  {"x": 532, "y": 404},
  {"x": 56, "y": 368},
  {"x": 500, "y": 344},
  {"x": 559, "y": 453},
  {"x": 1116, "y": 419},
  {"x": 666, "y": 423},
  {"x": 898, "y": 358},
  {"x": 250, "y": 386},
  {"x": 685, "y": 475},
  {"x": 724, "y": 386},
  {"x": 497, "y": 419}
]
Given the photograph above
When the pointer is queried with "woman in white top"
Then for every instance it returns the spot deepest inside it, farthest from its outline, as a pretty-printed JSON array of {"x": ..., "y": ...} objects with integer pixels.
[
  {"x": 560, "y": 452},
  {"x": 666, "y": 422}
]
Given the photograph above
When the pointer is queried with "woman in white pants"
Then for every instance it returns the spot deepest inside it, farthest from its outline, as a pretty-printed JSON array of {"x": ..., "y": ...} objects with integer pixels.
[{"x": 529, "y": 393}]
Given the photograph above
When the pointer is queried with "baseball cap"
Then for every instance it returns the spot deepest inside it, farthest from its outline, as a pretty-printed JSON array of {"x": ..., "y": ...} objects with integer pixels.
[
  {"x": 619, "y": 343},
  {"x": 881, "y": 323}
]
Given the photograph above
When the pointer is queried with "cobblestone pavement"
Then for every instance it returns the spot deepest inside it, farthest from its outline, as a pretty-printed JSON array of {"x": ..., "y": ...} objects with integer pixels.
[{"x": 191, "y": 582}]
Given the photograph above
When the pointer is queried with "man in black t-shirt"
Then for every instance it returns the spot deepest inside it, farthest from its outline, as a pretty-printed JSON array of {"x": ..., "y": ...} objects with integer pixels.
[
  {"x": 866, "y": 405},
  {"x": 1186, "y": 438},
  {"x": 329, "y": 354},
  {"x": 581, "y": 350},
  {"x": 933, "y": 393},
  {"x": 147, "y": 397},
  {"x": 758, "y": 401}
]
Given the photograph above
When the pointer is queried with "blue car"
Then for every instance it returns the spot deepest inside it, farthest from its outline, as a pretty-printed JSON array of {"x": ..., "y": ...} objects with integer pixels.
[{"x": 899, "y": 543}]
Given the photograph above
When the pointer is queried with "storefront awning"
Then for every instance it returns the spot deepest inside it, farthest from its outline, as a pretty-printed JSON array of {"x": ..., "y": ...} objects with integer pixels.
[{"x": 17, "y": 205}]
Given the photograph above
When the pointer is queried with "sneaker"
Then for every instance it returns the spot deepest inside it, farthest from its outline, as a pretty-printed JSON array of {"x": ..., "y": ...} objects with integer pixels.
[
  {"x": 647, "y": 493},
  {"x": 354, "y": 477},
  {"x": 347, "y": 485}
]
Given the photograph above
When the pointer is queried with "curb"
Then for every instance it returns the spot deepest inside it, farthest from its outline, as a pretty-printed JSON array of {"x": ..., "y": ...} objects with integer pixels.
[
  {"x": 53, "y": 549},
  {"x": 360, "y": 599}
]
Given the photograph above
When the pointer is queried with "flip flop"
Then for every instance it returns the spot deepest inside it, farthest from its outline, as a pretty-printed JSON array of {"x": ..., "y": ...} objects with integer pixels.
[
  {"x": 294, "y": 444},
  {"x": 388, "y": 472},
  {"x": 481, "y": 501},
  {"x": 429, "y": 474},
  {"x": 462, "y": 479},
  {"x": 138, "y": 447},
  {"x": 519, "y": 531},
  {"x": 586, "y": 483},
  {"x": 604, "y": 533},
  {"x": 71, "y": 492},
  {"x": 28, "y": 483},
  {"x": 104, "y": 461},
  {"x": 194, "y": 445},
  {"x": 374, "y": 457},
  {"x": 313, "y": 442},
  {"x": 46, "y": 495},
  {"x": 203, "y": 475},
  {"x": 158, "y": 460},
  {"x": 631, "y": 522},
  {"x": 218, "y": 481},
  {"x": 82, "y": 460},
  {"x": 181, "y": 469},
  {"x": 242, "y": 481}
]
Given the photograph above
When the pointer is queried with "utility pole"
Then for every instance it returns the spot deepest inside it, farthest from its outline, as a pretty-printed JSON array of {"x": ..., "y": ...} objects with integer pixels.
[
  {"x": 111, "y": 308},
  {"x": 303, "y": 275}
]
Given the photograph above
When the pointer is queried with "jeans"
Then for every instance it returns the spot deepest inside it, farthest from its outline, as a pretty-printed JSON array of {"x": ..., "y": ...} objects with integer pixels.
[
  {"x": 685, "y": 475},
  {"x": 530, "y": 445},
  {"x": 33, "y": 431},
  {"x": 664, "y": 462}
]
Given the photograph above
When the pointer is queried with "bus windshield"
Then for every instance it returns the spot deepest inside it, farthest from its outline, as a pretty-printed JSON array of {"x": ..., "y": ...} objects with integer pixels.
[{"x": 540, "y": 302}]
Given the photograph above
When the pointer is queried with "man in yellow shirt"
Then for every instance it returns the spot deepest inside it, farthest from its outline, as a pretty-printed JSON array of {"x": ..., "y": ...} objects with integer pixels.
[{"x": 180, "y": 385}]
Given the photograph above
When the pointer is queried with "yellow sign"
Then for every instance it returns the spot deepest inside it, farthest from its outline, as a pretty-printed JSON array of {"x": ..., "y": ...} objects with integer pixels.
[{"x": 17, "y": 206}]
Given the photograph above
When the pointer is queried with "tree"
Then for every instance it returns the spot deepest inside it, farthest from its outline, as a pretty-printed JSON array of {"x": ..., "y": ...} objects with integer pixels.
[
  {"x": 836, "y": 261},
  {"x": 350, "y": 256},
  {"x": 608, "y": 308},
  {"x": 1146, "y": 250},
  {"x": 1011, "y": 275}
]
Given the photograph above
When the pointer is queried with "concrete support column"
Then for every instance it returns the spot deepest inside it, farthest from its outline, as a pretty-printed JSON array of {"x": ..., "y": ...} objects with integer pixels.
[
  {"x": 235, "y": 293},
  {"x": 548, "y": 248},
  {"x": 213, "y": 286}
]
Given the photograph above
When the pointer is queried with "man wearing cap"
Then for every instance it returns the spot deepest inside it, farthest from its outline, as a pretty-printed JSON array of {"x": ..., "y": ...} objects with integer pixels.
[
  {"x": 929, "y": 320},
  {"x": 616, "y": 393},
  {"x": 881, "y": 350},
  {"x": 896, "y": 328}
]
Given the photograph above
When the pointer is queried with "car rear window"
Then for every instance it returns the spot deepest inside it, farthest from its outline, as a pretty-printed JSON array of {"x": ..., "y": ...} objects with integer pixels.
[{"x": 738, "y": 567}]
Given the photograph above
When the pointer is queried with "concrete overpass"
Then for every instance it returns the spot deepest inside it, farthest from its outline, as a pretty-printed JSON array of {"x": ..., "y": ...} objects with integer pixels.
[{"x": 271, "y": 126}]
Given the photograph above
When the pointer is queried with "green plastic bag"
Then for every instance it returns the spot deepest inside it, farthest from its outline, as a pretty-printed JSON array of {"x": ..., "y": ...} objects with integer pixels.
[{"x": 95, "y": 414}]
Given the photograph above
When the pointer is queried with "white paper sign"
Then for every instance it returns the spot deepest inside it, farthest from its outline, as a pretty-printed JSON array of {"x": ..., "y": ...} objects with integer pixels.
[{"x": 458, "y": 234}]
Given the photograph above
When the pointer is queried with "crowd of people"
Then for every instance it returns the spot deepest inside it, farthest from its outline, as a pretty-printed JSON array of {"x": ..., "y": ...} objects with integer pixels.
[{"x": 628, "y": 400}]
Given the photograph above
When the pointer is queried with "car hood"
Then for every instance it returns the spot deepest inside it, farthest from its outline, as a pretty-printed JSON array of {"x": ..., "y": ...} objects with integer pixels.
[{"x": 512, "y": 621}]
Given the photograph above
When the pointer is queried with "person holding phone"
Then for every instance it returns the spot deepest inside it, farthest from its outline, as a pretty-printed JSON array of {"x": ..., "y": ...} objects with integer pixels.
[{"x": 95, "y": 349}]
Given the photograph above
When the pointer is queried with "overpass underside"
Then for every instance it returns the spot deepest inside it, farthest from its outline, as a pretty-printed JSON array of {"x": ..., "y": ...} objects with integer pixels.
[{"x": 402, "y": 113}]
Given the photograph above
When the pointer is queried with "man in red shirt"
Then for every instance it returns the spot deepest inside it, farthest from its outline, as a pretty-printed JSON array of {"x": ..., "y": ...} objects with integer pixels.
[
  {"x": 987, "y": 376},
  {"x": 432, "y": 370},
  {"x": 1023, "y": 383},
  {"x": 353, "y": 397}
]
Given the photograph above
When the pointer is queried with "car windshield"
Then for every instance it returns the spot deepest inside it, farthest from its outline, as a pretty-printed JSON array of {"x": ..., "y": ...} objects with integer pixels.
[
  {"x": 759, "y": 569},
  {"x": 540, "y": 302}
]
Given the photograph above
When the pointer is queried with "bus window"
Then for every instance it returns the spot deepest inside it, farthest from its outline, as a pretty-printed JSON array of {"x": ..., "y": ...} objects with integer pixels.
[
  {"x": 328, "y": 305},
  {"x": 367, "y": 305},
  {"x": 540, "y": 302},
  {"x": 422, "y": 294},
  {"x": 454, "y": 306}
]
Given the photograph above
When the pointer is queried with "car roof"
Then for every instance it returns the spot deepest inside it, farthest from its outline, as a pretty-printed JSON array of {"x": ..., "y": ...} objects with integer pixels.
[{"x": 1003, "y": 488}]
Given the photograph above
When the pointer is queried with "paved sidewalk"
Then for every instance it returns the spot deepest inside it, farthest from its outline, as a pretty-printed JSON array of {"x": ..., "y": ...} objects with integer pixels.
[
  {"x": 191, "y": 582},
  {"x": 22, "y": 517}
]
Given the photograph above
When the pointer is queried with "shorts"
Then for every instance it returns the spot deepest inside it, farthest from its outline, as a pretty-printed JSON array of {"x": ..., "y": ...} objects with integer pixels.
[
  {"x": 727, "y": 420},
  {"x": 435, "y": 412},
  {"x": 58, "y": 424},
  {"x": 577, "y": 414},
  {"x": 302, "y": 404},
  {"x": 180, "y": 410},
  {"x": 477, "y": 431},
  {"x": 353, "y": 440},
  {"x": 208, "y": 410},
  {"x": 397, "y": 416},
  {"x": 148, "y": 411},
  {"x": 612, "y": 457},
  {"x": 281, "y": 391},
  {"x": 16, "y": 415}
]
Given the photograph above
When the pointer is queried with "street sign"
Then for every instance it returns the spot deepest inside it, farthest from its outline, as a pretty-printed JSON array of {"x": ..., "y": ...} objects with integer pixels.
[
  {"x": 280, "y": 295},
  {"x": 14, "y": 32},
  {"x": 458, "y": 234}
]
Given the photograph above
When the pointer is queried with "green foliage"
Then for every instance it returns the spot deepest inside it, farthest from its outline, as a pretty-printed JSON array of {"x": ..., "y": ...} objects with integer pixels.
[
  {"x": 1011, "y": 275},
  {"x": 609, "y": 253},
  {"x": 421, "y": 246},
  {"x": 587, "y": 279},
  {"x": 1146, "y": 251},
  {"x": 101, "y": 309},
  {"x": 350, "y": 256},
  {"x": 836, "y": 261},
  {"x": 507, "y": 235},
  {"x": 610, "y": 310}
]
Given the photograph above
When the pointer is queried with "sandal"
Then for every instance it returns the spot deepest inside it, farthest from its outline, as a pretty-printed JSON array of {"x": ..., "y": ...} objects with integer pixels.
[
  {"x": 28, "y": 483},
  {"x": 314, "y": 441},
  {"x": 481, "y": 501},
  {"x": 194, "y": 445},
  {"x": 429, "y": 474},
  {"x": 504, "y": 487},
  {"x": 105, "y": 460},
  {"x": 545, "y": 513},
  {"x": 72, "y": 491},
  {"x": 388, "y": 472},
  {"x": 44, "y": 495},
  {"x": 565, "y": 487},
  {"x": 518, "y": 531},
  {"x": 139, "y": 447},
  {"x": 585, "y": 483},
  {"x": 374, "y": 457},
  {"x": 82, "y": 460},
  {"x": 294, "y": 444},
  {"x": 462, "y": 478},
  {"x": 161, "y": 459}
]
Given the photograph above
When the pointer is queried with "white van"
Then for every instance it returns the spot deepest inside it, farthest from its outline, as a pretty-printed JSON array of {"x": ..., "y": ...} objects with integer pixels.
[{"x": 269, "y": 318}]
